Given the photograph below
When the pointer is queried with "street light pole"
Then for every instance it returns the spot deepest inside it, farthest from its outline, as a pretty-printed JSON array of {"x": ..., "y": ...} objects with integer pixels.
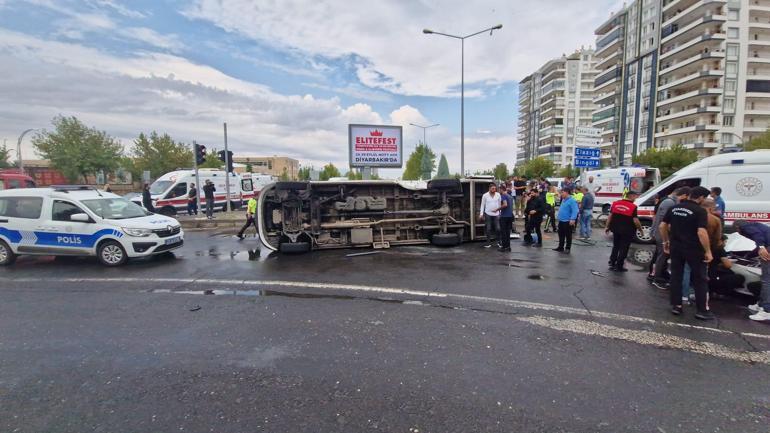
[
  {"x": 424, "y": 141},
  {"x": 462, "y": 83},
  {"x": 18, "y": 149}
]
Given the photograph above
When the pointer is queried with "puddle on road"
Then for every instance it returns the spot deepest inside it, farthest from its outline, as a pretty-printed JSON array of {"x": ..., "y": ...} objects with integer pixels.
[
  {"x": 536, "y": 277},
  {"x": 249, "y": 255}
]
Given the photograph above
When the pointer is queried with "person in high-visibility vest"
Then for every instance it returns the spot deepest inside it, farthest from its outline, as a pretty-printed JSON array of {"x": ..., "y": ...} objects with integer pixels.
[
  {"x": 550, "y": 209},
  {"x": 578, "y": 195},
  {"x": 251, "y": 217}
]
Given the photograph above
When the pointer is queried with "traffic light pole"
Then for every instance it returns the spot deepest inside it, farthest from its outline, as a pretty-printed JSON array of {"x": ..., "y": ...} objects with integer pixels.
[
  {"x": 197, "y": 179},
  {"x": 227, "y": 170}
]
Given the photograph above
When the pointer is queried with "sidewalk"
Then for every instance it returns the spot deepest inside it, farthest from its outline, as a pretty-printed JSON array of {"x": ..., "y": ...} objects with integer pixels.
[{"x": 222, "y": 220}]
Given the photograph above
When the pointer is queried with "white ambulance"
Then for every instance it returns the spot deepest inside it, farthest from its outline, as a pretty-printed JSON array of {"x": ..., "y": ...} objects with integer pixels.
[
  {"x": 743, "y": 176},
  {"x": 613, "y": 183},
  {"x": 81, "y": 221},
  {"x": 169, "y": 192}
]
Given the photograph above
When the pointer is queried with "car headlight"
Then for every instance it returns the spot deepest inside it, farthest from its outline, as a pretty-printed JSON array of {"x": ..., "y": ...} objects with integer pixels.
[{"x": 136, "y": 232}]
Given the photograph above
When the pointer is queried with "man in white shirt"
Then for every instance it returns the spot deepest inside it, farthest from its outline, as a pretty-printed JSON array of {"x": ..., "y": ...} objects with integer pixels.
[
  {"x": 489, "y": 212},
  {"x": 592, "y": 186}
]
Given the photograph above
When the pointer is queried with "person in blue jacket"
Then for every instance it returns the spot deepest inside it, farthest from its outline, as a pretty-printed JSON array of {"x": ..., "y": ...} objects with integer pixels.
[
  {"x": 760, "y": 234},
  {"x": 568, "y": 213}
]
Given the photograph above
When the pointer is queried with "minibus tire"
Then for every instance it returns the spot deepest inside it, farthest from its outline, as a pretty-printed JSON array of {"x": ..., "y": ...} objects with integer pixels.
[
  {"x": 444, "y": 185},
  {"x": 445, "y": 239},
  {"x": 110, "y": 250},
  {"x": 294, "y": 247},
  {"x": 7, "y": 256}
]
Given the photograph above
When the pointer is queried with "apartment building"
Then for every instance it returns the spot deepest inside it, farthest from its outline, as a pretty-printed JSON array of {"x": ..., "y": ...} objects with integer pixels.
[
  {"x": 553, "y": 101},
  {"x": 273, "y": 165},
  {"x": 625, "y": 88}
]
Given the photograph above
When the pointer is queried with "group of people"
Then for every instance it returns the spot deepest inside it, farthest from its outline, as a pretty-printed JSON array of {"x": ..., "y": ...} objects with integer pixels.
[
  {"x": 192, "y": 199},
  {"x": 536, "y": 201},
  {"x": 687, "y": 229},
  {"x": 690, "y": 254}
]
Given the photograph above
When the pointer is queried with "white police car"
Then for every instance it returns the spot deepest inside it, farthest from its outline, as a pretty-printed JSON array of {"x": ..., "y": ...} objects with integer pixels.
[{"x": 81, "y": 221}]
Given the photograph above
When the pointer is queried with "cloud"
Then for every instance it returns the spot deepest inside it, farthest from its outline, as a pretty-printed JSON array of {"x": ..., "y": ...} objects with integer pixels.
[
  {"x": 151, "y": 37},
  {"x": 120, "y": 8},
  {"x": 389, "y": 50}
]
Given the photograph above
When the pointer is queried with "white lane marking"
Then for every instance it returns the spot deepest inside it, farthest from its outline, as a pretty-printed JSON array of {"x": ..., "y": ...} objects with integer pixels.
[
  {"x": 391, "y": 291},
  {"x": 647, "y": 338}
]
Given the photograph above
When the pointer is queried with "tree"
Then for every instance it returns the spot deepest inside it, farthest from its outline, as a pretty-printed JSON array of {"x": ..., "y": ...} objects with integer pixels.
[
  {"x": 5, "y": 155},
  {"x": 517, "y": 171},
  {"x": 77, "y": 150},
  {"x": 538, "y": 167},
  {"x": 413, "y": 169},
  {"x": 329, "y": 171},
  {"x": 249, "y": 168},
  {"x": 443, "y": 169},
  {"x": 759, "y": 142},
  {"x": 500, "y": 171},
  {"x": 568, "y": 171},
  {"x": 159, "y": 154},
  {"x": 426, "y": 166},
  {"x": 667, "y": 160},
  {"x": 304, "y": 173},
  {"x": 354, "y": 175}
]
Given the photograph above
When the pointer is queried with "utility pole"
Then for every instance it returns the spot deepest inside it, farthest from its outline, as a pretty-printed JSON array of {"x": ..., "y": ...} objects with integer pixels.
[{"x": 227, "y": 170}]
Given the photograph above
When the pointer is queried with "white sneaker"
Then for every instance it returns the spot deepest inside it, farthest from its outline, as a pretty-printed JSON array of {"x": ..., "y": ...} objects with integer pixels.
[
  {"x": 761, "y": 316},
  {"x": 755, "y": 308}
]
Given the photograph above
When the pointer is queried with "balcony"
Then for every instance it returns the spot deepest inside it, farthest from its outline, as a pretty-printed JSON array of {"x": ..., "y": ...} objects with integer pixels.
[
  {"x": 688, "y": 114},
  {"x": 695, "y": 61},
  {"x": 610, "y": 60},
  {"x": 662, "y": 102},
  {"x": 711, "y": 42},
  {"x": 685, "y": 32},
  {"x": 607, "y": 76},
  {"x": 608, "y": 38},
  {"x": 551, "y": 131},
  {"x": 682, "y": 14},
  {"x": 692, "y": 78},
  {"x": 604, "y": 113},
  {"x": 549, "y": 149},
  {"x": 688, "y": 130}
]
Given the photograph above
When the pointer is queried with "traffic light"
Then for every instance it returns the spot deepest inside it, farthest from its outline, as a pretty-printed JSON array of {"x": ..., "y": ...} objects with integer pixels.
[
  {"x": 227, "y": 159},
  {"x": 200, "y": 153}
]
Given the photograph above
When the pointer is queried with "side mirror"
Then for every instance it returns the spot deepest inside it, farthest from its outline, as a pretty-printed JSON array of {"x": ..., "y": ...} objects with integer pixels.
[{"x": 80, "y": 217}]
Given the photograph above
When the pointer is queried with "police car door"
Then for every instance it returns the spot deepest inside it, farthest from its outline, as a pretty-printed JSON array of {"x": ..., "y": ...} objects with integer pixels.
[
  {"x": 19, "y": 216},
  {"x": 61, "y": 235}
]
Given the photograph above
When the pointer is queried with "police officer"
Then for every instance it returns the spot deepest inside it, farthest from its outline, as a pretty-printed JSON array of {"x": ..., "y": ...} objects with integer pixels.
[
  {"x": 686, "y": 240},
  {"x": 251, "y": 217}
]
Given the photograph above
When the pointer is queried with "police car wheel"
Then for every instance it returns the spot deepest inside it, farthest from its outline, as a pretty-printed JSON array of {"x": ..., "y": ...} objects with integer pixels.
[
  {"x": 7, "y": 257},
  {"x": 111, "y": 253}
]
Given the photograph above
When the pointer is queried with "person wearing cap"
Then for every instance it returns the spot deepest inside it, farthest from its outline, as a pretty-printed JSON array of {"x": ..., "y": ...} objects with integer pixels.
[
  {"x": 760, "y": 234},
  {"x": 623, "y": 222},
  {"x": 686, "y": 240}
]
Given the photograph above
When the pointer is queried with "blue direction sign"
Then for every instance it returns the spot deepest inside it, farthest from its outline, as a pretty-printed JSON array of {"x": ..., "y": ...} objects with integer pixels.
[
  {"x": 588, "y": 152},
  {"x": 587, "y": 163}
]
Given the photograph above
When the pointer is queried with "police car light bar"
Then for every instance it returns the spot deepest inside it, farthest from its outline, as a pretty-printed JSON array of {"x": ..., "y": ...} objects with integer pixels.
[{"x": 65, "y": 188}]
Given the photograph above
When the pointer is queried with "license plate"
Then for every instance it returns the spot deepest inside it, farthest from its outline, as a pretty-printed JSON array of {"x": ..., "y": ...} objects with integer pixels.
[{"x": 170, "y": 241}]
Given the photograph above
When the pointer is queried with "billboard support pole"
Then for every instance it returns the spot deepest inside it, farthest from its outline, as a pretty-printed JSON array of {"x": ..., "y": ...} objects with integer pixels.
[
  {"x": 227, "y": 171},
  {"x": 366, "y": 173}
]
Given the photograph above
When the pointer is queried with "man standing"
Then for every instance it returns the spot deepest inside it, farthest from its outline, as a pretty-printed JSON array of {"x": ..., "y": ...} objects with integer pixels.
[
  {"x": 208, "y": 192},
  {"x": 716, "y": 194},
  {"x": 568, "y": 213},
  {"x": 192, "y": 200},
  {"x": 592, "y": 188},
  {"x": 686, "y": 239},
  {"x": 251, "y": 217},
  {"x": 520, "y": 188},
  {"x": 534, "y": 211},
  {"x": 550, "y": 209},
  {"x": 760, "y": 234},
  {"x": 489, "y": 212},
  {"x": 622, "y": 222},
  {"x": 661, "y": 262},
  {"x": 586, "y": 213},
  {"x": 506, "y": 220},
  {"x": 147, "y": 198}
]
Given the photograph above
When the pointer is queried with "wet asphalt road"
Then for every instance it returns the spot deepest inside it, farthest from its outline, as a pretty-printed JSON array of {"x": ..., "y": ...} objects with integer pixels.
[{"x": 223, "y": 337}]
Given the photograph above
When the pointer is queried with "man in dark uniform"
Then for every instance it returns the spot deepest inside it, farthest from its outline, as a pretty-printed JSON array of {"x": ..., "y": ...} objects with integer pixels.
[
  {"x": 534, "y": 212},
  {"x": 686, "y": 239},
  {"x": 623, "y": 223},
  {"x": 147, "y": 198}
]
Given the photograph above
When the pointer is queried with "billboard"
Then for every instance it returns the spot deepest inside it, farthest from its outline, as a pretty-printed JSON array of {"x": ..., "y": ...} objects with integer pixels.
[{"x": 375, "y": 146}]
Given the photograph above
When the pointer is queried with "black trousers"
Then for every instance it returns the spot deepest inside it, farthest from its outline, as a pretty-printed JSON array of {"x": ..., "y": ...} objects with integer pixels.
[
  {"x": 533, "y": 225},
  {"x": 698, "y": 276},
  {"x": 620, "y": 244},
  {"x": 505, "y": 231},
  {"x": 249, "y": 222},
  {"x": 551, "y": 217},
  {"x": 565, "y": 235}
]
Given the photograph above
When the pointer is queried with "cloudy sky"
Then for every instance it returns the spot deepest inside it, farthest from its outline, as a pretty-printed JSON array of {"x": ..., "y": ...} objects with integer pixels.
[{"x": 287, "y": 76}]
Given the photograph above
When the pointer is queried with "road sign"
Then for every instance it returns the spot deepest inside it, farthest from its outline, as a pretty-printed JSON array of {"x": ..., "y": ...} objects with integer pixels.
[
  {"x": 587, "y": 163},
  {"x": 588, "y": 152},
  {"x": 587, "y": 131},
  {"x": 583, "y": 141}
]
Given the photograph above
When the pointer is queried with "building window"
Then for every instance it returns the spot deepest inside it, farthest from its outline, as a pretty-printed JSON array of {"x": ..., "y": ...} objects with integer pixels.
[
  {"x": 727, "y": 120},
  {"x": 732, "y": 33},
  {"x": 732, "y": 14},
  {"x": 732, "y": 51},
  {"x": 731, "y": 86},
  {"x": 727, "y": 138},
  {"x": 732, "y": 68},
  {"x": 729, "y": 104}
]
